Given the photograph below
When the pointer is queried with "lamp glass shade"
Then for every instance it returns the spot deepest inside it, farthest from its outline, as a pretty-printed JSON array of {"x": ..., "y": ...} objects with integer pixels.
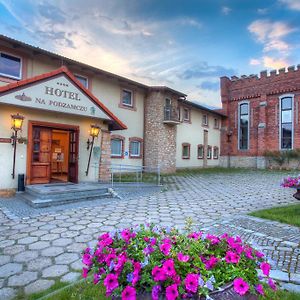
[
  {"x": 16, "y": 122},
  {"x": 95, "y": 129}
]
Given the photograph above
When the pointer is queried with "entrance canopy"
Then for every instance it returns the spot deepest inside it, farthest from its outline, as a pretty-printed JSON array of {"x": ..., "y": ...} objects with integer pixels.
[{"x": 58, "y": 91}]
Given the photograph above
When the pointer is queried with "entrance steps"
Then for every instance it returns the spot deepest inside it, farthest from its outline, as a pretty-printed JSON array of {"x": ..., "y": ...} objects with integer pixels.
[{"x": 44, "y": 195}]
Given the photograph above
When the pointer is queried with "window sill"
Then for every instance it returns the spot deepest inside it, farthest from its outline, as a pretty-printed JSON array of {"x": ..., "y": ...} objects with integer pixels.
[
  {"x": 114, "y": 156},
  {"x": 135, "y": 157},
  {"x": 185, "y": 158},
  {"x": 127, "y": 107},
  {"x": 200, "y": 157}
]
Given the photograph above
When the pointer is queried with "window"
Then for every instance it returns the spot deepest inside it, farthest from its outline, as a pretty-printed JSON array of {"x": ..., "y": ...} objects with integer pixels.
[
  {"x": 243, "y": 126},
  {"x": 135, "y": 147},
  {"x": 205, "y": 120},
  {"x": 186, "y": 151},
  {"x": 200, "y": 152},
  {"x": 10, "y": 66},
  {"x": 209, "y": 152},
  {"x": 117, "y": 147},
  {"x": 216, "y": 153},
  {"x": 83, "y": 80},
  {"x": 186, "y": 114},
  {"x": 216, "y": 123},
  {"x": 286, "y": 122},
  {"x": 127, "y": 98}
]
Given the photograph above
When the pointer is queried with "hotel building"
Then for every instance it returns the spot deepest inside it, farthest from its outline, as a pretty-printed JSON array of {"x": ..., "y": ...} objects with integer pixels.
[{"x": 75, "y": 120}]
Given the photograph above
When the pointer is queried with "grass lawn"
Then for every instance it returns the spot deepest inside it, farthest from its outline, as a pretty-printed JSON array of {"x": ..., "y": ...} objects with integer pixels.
[
  {"x": 287, "y": 214},
  {"x": 88, "y": 291}
]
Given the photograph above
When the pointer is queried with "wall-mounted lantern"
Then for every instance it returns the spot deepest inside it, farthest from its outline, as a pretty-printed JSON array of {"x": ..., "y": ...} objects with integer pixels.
[
  {"x": 94, "y": 132},
  {"x": 16, "y": 125}
]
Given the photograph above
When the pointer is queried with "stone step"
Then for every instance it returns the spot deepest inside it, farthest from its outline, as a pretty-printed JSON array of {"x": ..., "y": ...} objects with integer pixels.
[
  {"x": 57, "y": 194},
  {"x": 38, "y": 202}
]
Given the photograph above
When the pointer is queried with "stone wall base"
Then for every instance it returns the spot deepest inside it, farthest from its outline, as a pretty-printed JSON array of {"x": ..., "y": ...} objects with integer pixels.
[
  {"x": 257, "y": 162},
  {"x": 6, "y": 193}
]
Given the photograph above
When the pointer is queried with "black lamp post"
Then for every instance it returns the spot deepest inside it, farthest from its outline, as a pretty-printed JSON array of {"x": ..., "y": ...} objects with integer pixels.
[
  {"x": 16, "y": 125},
  {"x": 95, "y": 129}
]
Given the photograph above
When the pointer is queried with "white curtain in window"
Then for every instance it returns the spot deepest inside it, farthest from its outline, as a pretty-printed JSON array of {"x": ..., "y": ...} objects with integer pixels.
[
  {"x": 116, "y": 147},
  {"x": 135, "y": 148}
]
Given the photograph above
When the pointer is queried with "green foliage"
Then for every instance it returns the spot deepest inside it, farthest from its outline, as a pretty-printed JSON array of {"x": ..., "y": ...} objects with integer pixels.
[{"x": 284, "y": 156}]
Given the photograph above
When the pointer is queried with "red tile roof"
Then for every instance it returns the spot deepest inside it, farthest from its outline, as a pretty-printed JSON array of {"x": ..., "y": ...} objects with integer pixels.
[{"x": 64, "y": 70}]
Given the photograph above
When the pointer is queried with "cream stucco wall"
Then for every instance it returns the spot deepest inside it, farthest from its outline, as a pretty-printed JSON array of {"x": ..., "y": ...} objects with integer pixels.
[
  {"x": 6, "y": 150},
  {"x": 108, "y": 91},
  {"x": 193, "y": 133}
]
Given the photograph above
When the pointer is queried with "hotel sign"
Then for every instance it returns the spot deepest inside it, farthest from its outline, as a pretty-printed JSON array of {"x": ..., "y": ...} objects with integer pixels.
[{"x": 56, "y": 94}]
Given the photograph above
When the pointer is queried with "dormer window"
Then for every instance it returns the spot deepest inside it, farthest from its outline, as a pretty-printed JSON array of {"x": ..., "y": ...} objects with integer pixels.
[{"x": 10, "y": 66}]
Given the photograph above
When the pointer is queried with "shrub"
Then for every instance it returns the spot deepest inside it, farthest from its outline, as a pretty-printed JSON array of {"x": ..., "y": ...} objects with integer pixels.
[{"x": 162, "y": 261}]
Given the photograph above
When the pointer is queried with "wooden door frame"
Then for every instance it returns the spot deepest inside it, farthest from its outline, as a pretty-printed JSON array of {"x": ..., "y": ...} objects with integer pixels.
[{"x": 59, "y": 126}]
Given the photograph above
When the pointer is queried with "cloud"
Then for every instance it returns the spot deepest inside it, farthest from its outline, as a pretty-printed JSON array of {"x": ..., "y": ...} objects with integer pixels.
[
  {"x": 291, "y": 4},
  {"x": 273, "y": 37},
  {"x": 254, "y": 62},
  {"x": 210, "y": 85},
  {"x": 226, "y": 10},
  {"x": 273, "y": 63},
  {"x": 262, "y": 11},
  {"x": 51, "y": 12},
  {"x": 268, "y": 32},
  {"x": 203, "y": 70}
]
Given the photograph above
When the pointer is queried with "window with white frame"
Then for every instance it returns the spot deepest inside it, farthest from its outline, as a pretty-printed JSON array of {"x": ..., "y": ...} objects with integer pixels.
[
  {"x": 186, "y": 114},
  {"x": 209, "y": 152},
  {"x": 135, "y": 148},
  {"x": 216, "y": 123},
  {"x": 186, "y": 151},
  {"x": 127, "y": 97},
  {"x": 205, "y": 120},
  {"x": 286, "y": 122},
  {"x": 200, "y": 152},
  {"x": 83, "y": 80},
  {"x": 244, "y": 126},
  {"x": 10, "y": 66},
  {"x": 216, "y": 153},
  {"x": 116, "y": 147}
]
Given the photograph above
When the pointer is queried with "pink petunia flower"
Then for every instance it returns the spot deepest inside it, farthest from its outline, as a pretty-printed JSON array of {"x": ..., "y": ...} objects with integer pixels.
[
  {"x": 259, "y": 254},
  {"x": 158, "y": 274},
  {"x": 191, "y": 283},
  {"x": 129, "y": 293},
  {"x": 172, "y": 292},
  {"x": 87, "y": 259},
  {"x": 265, "y": 267},
  {"x": 126, "y": 235},
  {"x": 232, "y": 257},
  {"x": 211, "y": 263},
  {"x": 272, "y": 284},
  {"x": 214, "y": 240},
  {"x": 260, "y": 289},
  {"x": 111, "y": 283},
  {"x": 240, "y": 286},
  {"x": 168, "y": 267},
  {"x": 85, "y": 272},
  {"x": 165, "y": 248},
  {"x": 248, "y": 253},
  {"x": 183, "y": 258}
]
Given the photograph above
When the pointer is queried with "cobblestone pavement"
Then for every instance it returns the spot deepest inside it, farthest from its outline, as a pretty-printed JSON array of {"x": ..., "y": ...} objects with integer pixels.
[{"x": 38, "y": 250}]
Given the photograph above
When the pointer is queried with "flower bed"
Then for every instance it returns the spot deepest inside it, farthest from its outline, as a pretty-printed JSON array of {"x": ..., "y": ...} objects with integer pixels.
[
  {"x": 292, "y": 182},
  {"x": 169, "y": 265}
]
